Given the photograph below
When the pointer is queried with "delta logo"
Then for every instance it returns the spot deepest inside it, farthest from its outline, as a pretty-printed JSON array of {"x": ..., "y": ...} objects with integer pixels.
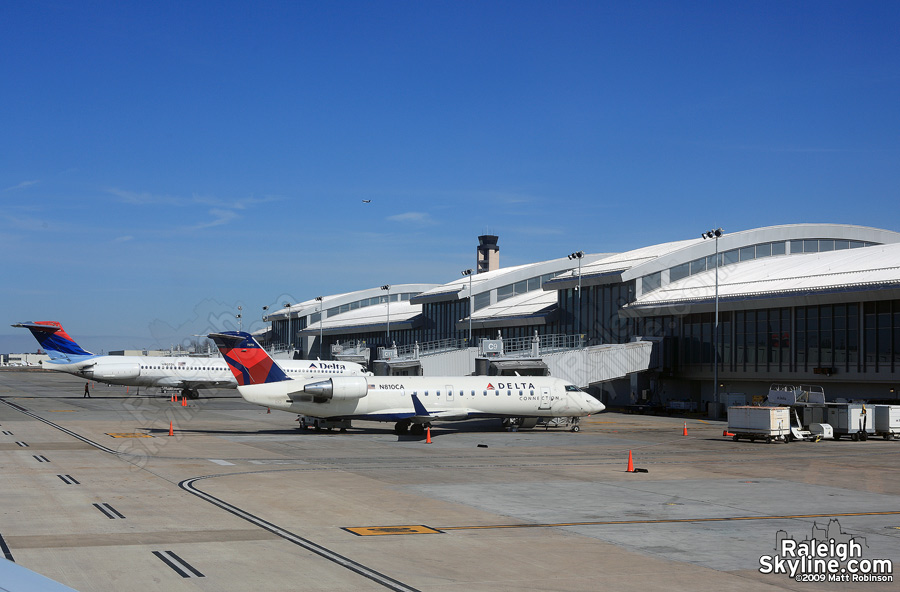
[
  {"x": 490, "y": 387},
  {"x": 326, "y": 366}
]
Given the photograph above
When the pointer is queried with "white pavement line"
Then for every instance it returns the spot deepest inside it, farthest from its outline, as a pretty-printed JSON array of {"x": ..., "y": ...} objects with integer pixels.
[{"x": 387, "y": 582}]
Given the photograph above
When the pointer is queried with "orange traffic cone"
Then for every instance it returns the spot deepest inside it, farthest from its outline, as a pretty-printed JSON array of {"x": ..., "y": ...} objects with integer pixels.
[
  {"x": 171, "y": 433},
  {"x": 630, "y": 468},
  {"x": 726, "y": 433},
  {"x": 268, "y": 410},
  {"x": 428, "y": 435},
  {"x": 184, "y": 401},
  {"x": 684, "y": 433}
]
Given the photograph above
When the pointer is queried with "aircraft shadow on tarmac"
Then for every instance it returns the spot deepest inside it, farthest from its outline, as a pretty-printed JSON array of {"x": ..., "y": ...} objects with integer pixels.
[{"x": 445, "y": 429}]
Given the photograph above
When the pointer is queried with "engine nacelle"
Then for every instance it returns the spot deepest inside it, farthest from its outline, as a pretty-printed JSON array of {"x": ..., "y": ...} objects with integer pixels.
[
  {"x": 338, "y": 388},
  {"x": 113, "y": 371}
]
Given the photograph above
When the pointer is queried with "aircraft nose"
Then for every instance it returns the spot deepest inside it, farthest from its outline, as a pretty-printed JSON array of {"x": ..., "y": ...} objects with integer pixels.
[{"x": 594, "y": 405}]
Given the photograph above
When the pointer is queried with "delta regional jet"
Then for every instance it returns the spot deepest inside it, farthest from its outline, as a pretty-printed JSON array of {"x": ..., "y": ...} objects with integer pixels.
[
  {"x": 412, "y": 402},
  {"x": 186, "y": 373}
]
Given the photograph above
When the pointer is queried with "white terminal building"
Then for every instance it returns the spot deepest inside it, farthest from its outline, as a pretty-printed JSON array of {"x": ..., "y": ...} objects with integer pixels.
[{"x": 800, "y": 303}]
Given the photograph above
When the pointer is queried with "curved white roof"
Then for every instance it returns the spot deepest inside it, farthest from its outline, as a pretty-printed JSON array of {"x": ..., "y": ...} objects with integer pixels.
[
  {"x": 868, "y": 269},
  {"x": 532, "y": 306},
  {"x": 368, "y": 319}
]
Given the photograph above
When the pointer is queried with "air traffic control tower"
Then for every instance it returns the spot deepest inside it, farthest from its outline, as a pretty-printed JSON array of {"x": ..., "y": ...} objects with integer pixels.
[{"x": 488, "y": 253}]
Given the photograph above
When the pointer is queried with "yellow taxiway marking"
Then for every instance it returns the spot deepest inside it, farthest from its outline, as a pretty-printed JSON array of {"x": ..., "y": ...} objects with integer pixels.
[
  {"x": 383, "y": 530},
  {"x": 670, "y": 521},
  {"x": 128, "y": 435}
]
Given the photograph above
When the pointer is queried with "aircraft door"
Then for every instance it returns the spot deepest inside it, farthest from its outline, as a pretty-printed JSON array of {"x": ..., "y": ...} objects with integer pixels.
[
  {"x": 449, "y": 392},
  {"x": 545, "y": 398}
]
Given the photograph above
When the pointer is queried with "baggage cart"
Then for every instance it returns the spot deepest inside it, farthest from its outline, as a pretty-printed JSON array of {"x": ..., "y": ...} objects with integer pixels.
[
  {"x": 759, "y": 423},
  {"x": 887, "y": 421}
]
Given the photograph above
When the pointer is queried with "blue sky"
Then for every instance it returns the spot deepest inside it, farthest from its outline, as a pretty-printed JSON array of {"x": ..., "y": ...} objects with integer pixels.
[{"x": 162, "y": 163}]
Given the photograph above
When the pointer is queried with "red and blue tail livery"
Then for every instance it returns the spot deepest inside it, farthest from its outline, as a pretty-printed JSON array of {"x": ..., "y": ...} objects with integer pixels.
[
  {"x": 247, "y": 360},
  {"x": 54, "y": 340}
]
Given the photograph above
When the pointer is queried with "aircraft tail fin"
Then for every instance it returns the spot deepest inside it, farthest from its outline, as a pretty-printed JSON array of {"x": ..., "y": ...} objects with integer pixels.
[
  {"x": 246, "y": 359},
  {"x": 54, "y": 340}
]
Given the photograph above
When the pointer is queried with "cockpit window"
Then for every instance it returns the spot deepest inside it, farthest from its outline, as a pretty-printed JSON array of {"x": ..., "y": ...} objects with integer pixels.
[{"x": 571, "y": 388}]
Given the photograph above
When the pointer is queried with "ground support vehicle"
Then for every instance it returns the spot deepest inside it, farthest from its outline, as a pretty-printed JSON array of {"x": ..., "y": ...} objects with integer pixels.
[
  {"x": 851, "y": 419},
  {"x": 887, "y": 421},
  {"x": 319, "y": 423},
  {"x": 759, "y": 423}
]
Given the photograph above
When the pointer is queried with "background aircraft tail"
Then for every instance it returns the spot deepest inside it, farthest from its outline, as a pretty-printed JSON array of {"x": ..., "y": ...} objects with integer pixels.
[
  {"x": 54, "y": 340},
  {"x": 246, "y": 359}
]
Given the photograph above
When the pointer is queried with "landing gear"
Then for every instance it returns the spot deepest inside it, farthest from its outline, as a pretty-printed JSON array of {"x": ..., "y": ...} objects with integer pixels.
[
  {"x": 190, "y": 393},
  {"x": 401, "y": 427},
  {"x": 417, "y": 429}
]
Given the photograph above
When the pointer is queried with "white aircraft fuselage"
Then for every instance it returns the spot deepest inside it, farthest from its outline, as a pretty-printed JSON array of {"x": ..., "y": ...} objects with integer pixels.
[
  {"x": 394, "y": 398},
  {"x": 188, "y": 373}
]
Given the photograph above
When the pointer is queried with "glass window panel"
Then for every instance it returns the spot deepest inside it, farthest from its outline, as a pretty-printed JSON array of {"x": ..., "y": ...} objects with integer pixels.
[
  {"x": 520, "y": 287},
  {"x": 840, "y": 245},
  {"x": 504, "y": 292},
  {"x": 314, "y": 318},
  {"x": 748, "y": 253},
  {"x": 651, "y": 282},
  {"x": 826, "y": 245},
  {"x": 810, "y": 245},
  {"x": 764, "y": 250},
  {"x": 731, "y": 256},
  {"x": 482, "y": 300},
  {"x": 698, "y": 265},
  {"x": 778, "y": 248},
  {"x": 534, "y": 283},
  {"x": 679, "y": 271},
  {"x": 856, "y": 244},
  {"x": 796, "y": 246}
]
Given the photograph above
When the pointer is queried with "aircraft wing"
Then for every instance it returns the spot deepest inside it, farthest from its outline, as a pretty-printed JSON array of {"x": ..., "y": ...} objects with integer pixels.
[
  {"x": 16, "y": 578},
  {"x": 447, "y": 414},
  {"x": 175, "y": 382}
]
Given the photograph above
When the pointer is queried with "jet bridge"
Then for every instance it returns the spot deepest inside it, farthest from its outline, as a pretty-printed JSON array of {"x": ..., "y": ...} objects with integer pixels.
[{"x": 553, "y": 355}]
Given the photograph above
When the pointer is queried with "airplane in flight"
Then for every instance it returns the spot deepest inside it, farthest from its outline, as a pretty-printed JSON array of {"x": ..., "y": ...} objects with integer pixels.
[
  {"x": 190, "y": 374},
  {"x": 412, "y": 402}
]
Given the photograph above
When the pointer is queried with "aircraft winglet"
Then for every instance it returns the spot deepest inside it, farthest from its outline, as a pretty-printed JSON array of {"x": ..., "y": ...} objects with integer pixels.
[
  {"x": 420, "y": 409},
  {"x": 246, "y": 359}
]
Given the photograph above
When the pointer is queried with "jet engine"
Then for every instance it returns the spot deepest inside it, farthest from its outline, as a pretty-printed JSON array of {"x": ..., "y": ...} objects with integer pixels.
[
  {"x": 113, "y": 371},
  {"x": 339, "y": 388}
]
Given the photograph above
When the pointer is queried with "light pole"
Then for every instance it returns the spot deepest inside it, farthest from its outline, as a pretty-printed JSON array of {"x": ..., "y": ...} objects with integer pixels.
[
  {"x": 238, "y": 317},
  {"x": 388, "y": 288},
  {"x": 287, "y": 305},
  {"x": 469, "y": 272},
  {"x": 715, "y": 234},
  {"x": 268, "y": 341},
  {"x": 578, "y": 255},
  {"x": 321, "y": 323}
]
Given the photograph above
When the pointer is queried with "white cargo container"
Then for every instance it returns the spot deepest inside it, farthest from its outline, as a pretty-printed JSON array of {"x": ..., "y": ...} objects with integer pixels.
[
  {"x": 759, "y": 423},
  {"x": 887, "y": 421},
  {"x": 851, "y": 419}
]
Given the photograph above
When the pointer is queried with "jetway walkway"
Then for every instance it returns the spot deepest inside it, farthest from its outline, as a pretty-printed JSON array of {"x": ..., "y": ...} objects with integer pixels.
[{"x": 557, "y": 355}]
